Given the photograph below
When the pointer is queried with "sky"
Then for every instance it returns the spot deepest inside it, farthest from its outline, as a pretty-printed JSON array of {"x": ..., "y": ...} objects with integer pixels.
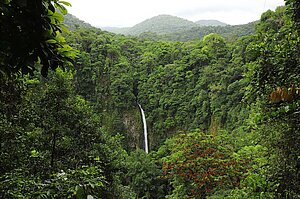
[{"x": 127, "y": 13}]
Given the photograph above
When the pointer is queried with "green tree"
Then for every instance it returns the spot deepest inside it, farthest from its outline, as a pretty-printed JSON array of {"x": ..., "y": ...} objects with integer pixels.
[
  {"x": 143, "y": 175},
  {"x": 54, "y": 144},
  {"x": 30, "y": 33}
]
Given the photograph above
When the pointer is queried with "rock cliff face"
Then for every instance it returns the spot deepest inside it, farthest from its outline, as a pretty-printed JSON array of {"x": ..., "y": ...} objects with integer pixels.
[
  {"x": 133, "y": 129},
  {"x": 126, "y": 123}
]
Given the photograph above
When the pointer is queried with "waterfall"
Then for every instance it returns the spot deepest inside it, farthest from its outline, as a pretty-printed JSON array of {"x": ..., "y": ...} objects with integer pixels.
[{"x": 145, "y": 128}]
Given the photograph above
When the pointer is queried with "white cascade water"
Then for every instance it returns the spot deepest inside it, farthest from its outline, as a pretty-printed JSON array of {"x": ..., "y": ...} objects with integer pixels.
[{"x": 145, "y": 128}]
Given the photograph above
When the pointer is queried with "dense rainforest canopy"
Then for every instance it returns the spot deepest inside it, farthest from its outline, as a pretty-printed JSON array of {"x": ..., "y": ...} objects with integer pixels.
[{"x": 222, "y": 111}]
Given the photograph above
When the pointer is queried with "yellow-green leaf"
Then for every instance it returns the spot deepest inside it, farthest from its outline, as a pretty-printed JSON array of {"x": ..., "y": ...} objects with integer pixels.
[
  {"x": 65, "y": 3},
  {"x": 51, "y": 41}
]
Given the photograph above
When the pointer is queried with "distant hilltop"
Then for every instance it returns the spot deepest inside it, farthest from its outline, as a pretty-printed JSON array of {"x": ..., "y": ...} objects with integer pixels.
[
  {"x": 163, "y": 24},
  {"x": 210, "y": 23}
]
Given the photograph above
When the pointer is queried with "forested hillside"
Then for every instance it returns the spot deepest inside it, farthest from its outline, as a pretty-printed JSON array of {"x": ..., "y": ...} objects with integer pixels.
[
  {"x": 161, "y": 24},
  {"x": 222, "y": 111},
  {"x": 228, "y": 32},
  {"x": 167, "y": 27},
  {"x": 73, "y": 22}
]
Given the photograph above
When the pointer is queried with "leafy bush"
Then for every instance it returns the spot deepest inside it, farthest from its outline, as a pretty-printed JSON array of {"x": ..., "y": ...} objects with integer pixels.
[{"x": 197, "y": 164}]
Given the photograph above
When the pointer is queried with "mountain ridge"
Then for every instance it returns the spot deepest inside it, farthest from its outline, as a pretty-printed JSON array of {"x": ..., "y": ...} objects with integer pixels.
[
  {"x": 163, "y": 24},
  {"x": 73, "y": 22},
  {"x": 210, "y": 22}
]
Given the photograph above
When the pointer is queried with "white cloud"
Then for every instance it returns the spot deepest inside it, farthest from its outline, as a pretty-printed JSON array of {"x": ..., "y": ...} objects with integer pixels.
[{"x": 122, "y": 13}]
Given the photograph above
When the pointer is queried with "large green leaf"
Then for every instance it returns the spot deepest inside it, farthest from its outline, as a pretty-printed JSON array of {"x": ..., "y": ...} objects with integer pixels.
[{"x": 61, "y": 8}]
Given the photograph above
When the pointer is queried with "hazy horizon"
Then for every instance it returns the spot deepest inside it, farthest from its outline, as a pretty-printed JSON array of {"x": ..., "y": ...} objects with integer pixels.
[
  {"x": 123, "y": 14},
  {"x": 156, "y": 16}
]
